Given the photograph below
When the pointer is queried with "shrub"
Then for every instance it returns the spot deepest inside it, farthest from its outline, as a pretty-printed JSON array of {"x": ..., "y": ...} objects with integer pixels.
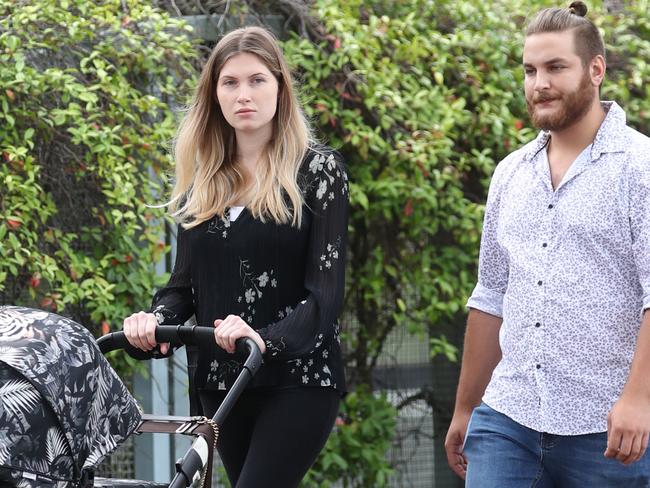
[{"x": 86, "y": 94}]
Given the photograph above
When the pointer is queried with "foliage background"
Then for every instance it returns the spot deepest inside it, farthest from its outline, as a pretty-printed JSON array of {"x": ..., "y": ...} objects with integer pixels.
[
  {"x": 422, "y": 98},
  {"x": 85, "y": 122}
]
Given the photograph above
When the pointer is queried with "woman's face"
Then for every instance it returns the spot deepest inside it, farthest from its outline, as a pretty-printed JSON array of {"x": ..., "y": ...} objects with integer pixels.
[{"x": 248, "y": 94}]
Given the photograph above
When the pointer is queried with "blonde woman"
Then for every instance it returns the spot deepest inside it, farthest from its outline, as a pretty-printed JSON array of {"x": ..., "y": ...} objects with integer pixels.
[{"x": 262, "y": 215}]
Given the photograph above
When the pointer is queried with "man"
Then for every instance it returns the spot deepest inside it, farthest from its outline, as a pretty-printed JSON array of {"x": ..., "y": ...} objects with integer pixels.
[{"x": 558, "y": 336}]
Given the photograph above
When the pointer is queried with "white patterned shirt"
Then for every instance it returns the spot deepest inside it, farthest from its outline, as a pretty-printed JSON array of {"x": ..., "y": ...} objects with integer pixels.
[{"x": 568, "y": 270}]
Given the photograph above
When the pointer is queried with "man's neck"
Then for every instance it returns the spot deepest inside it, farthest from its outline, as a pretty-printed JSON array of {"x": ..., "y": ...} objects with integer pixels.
[{"x": 575, "y": 138}]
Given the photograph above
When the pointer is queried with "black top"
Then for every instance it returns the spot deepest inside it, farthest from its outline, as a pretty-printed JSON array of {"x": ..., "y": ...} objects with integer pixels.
[{"x": 285, "y": 282}]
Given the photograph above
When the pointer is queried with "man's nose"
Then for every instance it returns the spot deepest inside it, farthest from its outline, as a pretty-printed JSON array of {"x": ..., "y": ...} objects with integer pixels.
[{"x": 542, "y": 81}]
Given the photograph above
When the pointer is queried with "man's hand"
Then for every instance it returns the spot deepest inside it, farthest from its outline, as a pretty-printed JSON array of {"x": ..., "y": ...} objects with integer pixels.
[
  {"x": 228, "y": 330},
  {"x": 454, "y": 443},
  {"x": 628, "y": 427}
]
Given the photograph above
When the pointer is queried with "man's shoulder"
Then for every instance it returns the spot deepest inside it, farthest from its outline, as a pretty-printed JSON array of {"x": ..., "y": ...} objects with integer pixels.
[
  {"x": 638, "y": 144},
  {"x": 516, "y": 158}
]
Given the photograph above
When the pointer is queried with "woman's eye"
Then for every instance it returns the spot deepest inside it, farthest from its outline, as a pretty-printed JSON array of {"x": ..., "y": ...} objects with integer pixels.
[{"x": 259, "y": 80}]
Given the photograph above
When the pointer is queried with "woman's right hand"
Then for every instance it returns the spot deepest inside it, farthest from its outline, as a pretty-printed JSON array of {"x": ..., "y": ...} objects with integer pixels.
[{"x": 140, "y": 331}]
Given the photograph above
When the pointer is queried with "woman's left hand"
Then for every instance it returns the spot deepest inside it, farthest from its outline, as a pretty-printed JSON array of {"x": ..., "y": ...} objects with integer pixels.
[{"x": 228, "y": 330}]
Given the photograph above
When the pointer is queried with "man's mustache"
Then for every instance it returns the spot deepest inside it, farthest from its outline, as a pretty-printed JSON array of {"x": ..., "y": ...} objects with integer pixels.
[{"x": 545, "y": 97}]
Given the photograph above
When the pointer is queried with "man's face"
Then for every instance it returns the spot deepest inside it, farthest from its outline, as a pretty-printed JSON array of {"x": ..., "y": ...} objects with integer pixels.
[{"x": 559, "y": 89}]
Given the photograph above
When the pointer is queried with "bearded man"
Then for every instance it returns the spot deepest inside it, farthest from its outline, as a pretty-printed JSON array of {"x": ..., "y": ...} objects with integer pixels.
[{"x": 555, "y": 384}]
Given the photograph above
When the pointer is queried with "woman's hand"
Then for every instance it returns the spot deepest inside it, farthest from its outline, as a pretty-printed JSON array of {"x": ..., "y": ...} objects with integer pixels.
[
  {"x": 140, "y": 331},
  {"x": 228, "y": 330}
]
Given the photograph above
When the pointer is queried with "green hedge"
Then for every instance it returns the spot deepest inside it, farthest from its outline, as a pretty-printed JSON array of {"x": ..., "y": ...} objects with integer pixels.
[{"x": 85, "y": 126}]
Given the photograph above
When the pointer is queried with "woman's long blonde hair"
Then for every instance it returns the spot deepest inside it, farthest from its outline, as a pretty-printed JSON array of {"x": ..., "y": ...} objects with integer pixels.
[{"x": 207, "y": 179}]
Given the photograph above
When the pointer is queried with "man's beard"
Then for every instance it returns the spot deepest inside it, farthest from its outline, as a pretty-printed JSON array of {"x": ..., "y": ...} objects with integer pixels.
[{"x": 573, "y": 107}]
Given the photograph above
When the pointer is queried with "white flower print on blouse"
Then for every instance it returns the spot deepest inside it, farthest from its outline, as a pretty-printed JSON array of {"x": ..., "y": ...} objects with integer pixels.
[
  {"x": 252, "y": 286},
  {"x": 327, "y": 170},
  {"x": 274, "y": 348},
  {"x": 331, "y": 254},
  {"x": 219, "y": 225},
  {"x": 163, "y": 314},
  {"x": 283, "y": 313},
  {"x": 219, "y": 372},
  {"x": 313, "y": 369}
]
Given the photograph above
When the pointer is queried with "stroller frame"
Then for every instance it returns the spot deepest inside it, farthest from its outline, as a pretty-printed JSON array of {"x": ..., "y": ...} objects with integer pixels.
[{"x": 200, "y": 455}]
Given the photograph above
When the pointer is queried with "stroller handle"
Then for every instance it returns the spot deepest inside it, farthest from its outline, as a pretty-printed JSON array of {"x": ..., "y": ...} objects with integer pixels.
[
  {"x": 182, "y": 335},
  {"x": 179, "y": 335}
]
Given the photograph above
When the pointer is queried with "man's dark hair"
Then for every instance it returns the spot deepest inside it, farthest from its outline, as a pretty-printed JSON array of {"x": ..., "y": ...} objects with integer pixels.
[{"x": 587, "y": 38}]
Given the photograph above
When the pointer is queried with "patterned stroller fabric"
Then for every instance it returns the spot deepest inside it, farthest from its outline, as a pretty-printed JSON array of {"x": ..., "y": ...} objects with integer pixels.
[{"x": 62, "y": 407}]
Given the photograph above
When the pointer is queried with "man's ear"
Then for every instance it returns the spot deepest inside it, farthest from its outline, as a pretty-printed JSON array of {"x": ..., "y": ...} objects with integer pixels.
[{"x": 597, "y": 68}]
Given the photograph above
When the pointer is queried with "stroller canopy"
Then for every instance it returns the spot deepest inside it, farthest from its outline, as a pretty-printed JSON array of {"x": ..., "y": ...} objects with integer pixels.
[{"x": 50, "y": 360}]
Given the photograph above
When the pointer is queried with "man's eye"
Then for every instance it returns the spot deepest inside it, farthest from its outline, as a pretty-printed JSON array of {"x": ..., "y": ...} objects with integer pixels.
[{"x": 557, "y": 67}]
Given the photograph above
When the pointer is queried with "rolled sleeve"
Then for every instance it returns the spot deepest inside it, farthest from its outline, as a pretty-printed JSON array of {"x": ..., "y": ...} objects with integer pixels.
[
  {"x": 640, "y": 225},
  {"x": 493, "y": 268},
  {"x": 486, "y": 300}
]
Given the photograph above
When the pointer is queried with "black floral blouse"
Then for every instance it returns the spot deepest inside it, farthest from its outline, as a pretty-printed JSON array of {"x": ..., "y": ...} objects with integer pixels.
[{"x": 285, "y": 282}]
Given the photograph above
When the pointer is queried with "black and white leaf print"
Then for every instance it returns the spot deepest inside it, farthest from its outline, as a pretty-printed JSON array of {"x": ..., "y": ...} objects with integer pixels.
[
  {"x": 19, "y": 396},
  {"x": 100, "y": 401},
  {"x": 62, "y": 407},
  {"x": 14, "y": 324},
  {"x": 103, "y": 446},
  {"x": 11, "y": 356},
  {"x": 4, "y": 454},
  {"x": 41, "y": 466},
  {"x": 55, "y": 444}
]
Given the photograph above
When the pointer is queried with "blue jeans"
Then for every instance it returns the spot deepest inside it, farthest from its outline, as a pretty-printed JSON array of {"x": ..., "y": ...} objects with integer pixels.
[{"x": 504, "y": 454}]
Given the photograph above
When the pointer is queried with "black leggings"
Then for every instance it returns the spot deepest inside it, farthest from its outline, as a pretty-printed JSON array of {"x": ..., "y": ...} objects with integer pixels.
[{"x": 272, "y": 437}]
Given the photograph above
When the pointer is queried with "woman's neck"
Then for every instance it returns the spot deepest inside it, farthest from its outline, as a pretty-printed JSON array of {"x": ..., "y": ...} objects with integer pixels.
[{"x": 250, "y": 149}]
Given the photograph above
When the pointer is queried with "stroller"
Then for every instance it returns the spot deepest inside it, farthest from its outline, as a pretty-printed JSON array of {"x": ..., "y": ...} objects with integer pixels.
[{"x": 63, "y": 408}]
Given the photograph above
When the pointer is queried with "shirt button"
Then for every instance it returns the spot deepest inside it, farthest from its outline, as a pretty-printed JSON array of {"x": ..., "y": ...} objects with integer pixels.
[
  {"x": 537, "y": 324},
  {"x": 538, "y": 366},
  {"x": 550, "y": 205},
  {"x": 539, "y": 282},
  {"x": 544, "y": 245}
]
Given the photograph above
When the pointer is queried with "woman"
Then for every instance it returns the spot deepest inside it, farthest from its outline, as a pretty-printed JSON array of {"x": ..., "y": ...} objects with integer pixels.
[{"x": 262, "y": 217}]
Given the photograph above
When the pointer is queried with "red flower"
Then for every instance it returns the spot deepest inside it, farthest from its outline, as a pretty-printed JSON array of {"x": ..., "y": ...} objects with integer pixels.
[
  {"x": 35, "y": 280},
  {"x": 48, "y": 302},
  {"x": 408, "y": 208}
]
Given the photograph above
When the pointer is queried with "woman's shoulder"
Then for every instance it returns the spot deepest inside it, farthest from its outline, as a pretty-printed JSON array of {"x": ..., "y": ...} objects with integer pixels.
[
  {"x": 324, "y": 173},
  {"x": 320, "y": 159}
]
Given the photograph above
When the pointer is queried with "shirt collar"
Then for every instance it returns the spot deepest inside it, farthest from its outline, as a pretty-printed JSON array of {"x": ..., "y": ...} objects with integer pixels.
[{"x": 608, "y": 138}]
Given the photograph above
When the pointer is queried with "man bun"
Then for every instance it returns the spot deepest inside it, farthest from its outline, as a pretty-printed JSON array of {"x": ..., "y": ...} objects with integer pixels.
[{"x": 578, "y": 8}]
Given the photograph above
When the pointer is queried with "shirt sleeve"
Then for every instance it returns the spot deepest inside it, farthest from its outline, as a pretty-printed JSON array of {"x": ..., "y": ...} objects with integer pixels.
[
  {"x": 493, "y": 267},
  {"x": 174, "y": 303},
  {"x": 314, "y": 320},
  {"x": 640, "y": 226}
]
